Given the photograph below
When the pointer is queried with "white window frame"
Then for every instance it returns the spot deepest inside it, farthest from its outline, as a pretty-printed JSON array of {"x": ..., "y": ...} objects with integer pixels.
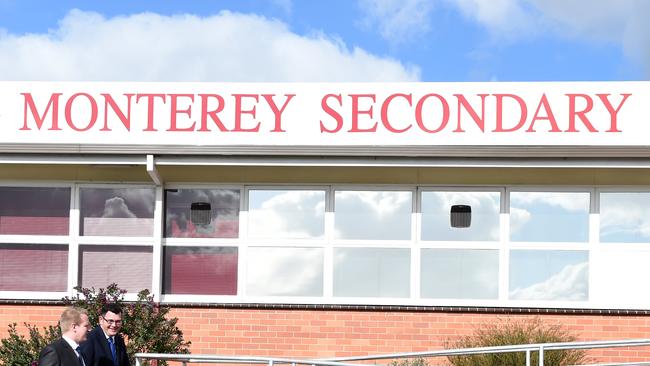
[
  {"x": 43, "y": 239},
  {"x": 79, "y": 240},
  {"x": 328, "y": 243}
]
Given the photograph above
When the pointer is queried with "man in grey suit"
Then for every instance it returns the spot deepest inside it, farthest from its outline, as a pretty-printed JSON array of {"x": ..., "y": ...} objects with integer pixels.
[{"x": 65, "y": 351}]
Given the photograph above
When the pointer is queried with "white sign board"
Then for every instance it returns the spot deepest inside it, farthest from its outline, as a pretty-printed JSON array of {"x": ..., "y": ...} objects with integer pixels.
[{"x": 325, "y": 114}]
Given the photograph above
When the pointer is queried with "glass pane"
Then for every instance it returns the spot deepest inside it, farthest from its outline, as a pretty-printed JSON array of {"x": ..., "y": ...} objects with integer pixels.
[
  {"x": 549, "y": 216},
  {"x": 620, "y": 278},
  {"x": 128, "y": 266},
  {"x": 286, "y": 214},
  {"x": 119, "y": 211},
  {"x": 34, "y": 211},
  {"x": 436, "y": 223},
  {"x": 33, "y": 267},
  {"x": 460, "y": 274},
  {"x": 285, "y": 272},
  {"x": 549, "y": 275},
  {"x": 200, "y": 270},
  {"x": 625, "y": 217},
  {"x": 373, "y": 215},
  {"x": 372, "y": 272},
  {"x": 221, "y": 208}
]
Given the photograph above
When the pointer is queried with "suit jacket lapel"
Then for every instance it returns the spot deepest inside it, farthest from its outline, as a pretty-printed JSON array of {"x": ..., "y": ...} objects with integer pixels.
[
  {"x": 120, "y": 348},
  {"x": 104, "y": 342},
  {"x": 70, "y": 354}
]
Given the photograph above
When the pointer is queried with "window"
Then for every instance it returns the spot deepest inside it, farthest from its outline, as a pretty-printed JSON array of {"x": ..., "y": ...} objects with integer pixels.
[
  {"x": 128, "y": 266},
  {"x": 625, "y": 217},
  {"x": 33, "y": 267},
  {"x": 560, "y": 275},
  {"x": 373, "y": 215},
  {"x": 34, "y": 211},
  {"x": 286, "y": 214},
  {"x": 117, "y": 211},
  {"x": 372, "y": 272},
  {"x": 436, "y": 208},
  {"x": 549, "y": 216},
  {"x": 184, "y": 206},
  {"x": 200, "y": 270},
  {"x": 330, "y": 244},
  {"x": 459, "y": 274},
  {"x": 278, "y": 271}
]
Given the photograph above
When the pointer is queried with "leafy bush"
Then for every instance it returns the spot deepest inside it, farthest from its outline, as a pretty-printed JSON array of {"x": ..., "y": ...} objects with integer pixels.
[
  {"x": 145, "y": 327},
  {"x": 20, "y": 351},
  {"x": 145, "y": 323},
  {"x": 409, "y": 362},
  {"x": 510, "y": 332}
]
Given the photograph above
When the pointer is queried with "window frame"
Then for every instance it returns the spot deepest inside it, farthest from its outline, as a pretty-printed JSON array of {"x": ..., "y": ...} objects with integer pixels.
[
  {"x": 593, "y": 247},
  {"x": 42, "y": 240}
]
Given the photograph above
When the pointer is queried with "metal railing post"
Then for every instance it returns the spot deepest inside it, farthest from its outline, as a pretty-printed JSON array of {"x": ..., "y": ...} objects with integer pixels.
[
  {"x": 137, "y": 361},
  {"x": 527, "y": 357},
  {"x": 541, "y": 355}
]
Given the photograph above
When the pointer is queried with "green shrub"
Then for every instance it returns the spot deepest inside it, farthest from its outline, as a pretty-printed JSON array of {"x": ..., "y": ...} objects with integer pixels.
[
  {"x": 510, "y": 332},
  {"x": 409, "y": 362},
  {"x": 20, "y": 351},
  {"x": 145, "y": 323},
  {"x": 145, "y": 327}
]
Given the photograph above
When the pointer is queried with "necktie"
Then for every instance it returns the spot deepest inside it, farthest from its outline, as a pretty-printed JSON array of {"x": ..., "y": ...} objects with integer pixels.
[
  {"x": 79, "y": 358},
  {"x": 111, "y": 343}
]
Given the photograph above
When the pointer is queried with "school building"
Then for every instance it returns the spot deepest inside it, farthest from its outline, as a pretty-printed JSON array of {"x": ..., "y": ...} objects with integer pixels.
[{"x": 332, "y": 219}]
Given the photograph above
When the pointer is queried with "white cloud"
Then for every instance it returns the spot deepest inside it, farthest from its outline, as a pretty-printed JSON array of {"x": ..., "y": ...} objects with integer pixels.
[
  {"x": 603, "y": 19},
  {"x": 620, "y": 22},
  {"x": 285, "y": 272},
  {"x": 568, "y": 201},
  {"x": 609, "y": 21},
  {"x": 625, "y": 216},
  {"x": 568, "y": 284},
  {"x": 285, "y": 5},
  {"x": 387, "y": 213},
  {"x": 223, "y": 47},
  {"x": 436, "y": 217},
  {"x": 519, "y": 217},
  {"x": 547, "y": 208},
  {"x": 502, "y": 16},
  {"x": 290, "y": 214},
  {"x": 398, "y": 20},
  {"x": 116, "y": 207}
]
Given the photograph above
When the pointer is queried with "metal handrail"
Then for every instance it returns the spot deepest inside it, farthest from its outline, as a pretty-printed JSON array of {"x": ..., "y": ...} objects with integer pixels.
[
  {"x": 540, "y": 348},
  {"x": 190, "y": 358}
]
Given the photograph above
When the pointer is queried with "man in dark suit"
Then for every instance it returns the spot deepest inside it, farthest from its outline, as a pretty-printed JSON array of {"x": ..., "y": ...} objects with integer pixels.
[
  {"x": 65, "y": 350},
  {"x": 105, "y": 346}
]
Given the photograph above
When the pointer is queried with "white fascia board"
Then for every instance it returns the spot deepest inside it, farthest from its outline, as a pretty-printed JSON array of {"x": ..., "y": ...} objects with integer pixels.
[
  {"x": 477, "y": 151},
  {"x": 150, "y": 162},
  {"x": 641, "y": 163},
  {"x": 73, "y": 159}
]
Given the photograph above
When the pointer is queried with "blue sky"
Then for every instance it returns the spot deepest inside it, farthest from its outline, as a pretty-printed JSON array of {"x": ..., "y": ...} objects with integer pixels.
[{"x": 334, "y": 40}]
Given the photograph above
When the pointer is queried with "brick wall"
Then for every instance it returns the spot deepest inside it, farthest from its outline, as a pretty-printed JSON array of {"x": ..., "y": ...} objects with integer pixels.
[{"x": 328, "y": 333}]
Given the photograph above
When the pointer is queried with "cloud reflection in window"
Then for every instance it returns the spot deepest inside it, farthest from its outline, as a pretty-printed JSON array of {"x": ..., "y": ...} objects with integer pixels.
[
  {"x": 286, "y": 214},
  {"x": 549, "y": 216},
  {"x": 549, "y": 275},
  {"x": 485, "y": 216},
  {"x": 274, "y": 271},
  {"x": 625, "y": 217},
  {"x": 373, "y": 215}
]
